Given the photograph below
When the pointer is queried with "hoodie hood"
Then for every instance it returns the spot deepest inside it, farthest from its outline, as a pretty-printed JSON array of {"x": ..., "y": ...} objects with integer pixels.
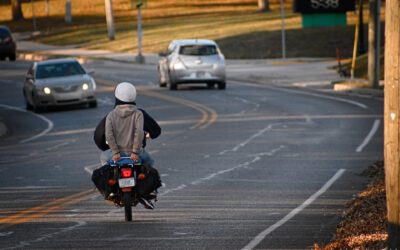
[{"x": 125, "y": 110}]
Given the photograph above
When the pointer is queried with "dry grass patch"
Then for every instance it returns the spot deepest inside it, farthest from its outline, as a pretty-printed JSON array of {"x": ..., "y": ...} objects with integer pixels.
[
  {"x": 240, "y": 29},
  {"x": 364, "y": 223}
]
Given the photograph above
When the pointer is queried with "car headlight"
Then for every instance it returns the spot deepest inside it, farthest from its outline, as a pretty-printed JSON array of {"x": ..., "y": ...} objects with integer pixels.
[
  {"x": 47, "y": 90},
  {"x": 85, "y": 86}
]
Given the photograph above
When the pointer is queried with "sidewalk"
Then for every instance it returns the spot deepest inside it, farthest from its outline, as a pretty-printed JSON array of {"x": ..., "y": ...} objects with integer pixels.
[{"x": 36, "y": 51}]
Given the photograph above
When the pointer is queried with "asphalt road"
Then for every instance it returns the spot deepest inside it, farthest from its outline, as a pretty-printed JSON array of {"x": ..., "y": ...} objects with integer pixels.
[{"x": 252, "y": 166}]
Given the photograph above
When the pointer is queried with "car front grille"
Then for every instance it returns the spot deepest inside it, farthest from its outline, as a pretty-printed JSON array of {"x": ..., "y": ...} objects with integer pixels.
[
  {"x": 68, "y": 101},
  {"x": 200, "y": 67},
  {"x": 66, "y": 89}
]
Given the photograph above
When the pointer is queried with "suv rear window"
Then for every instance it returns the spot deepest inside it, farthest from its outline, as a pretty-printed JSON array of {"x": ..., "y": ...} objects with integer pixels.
[
  {"x": 198, "y": 50},
  {"x": 4, "y": 31}
]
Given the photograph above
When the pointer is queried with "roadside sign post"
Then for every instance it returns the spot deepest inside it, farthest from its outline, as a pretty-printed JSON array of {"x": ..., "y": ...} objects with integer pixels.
[
  {"x": 110, "y": 19},
  {"x": 68, "y": 15},
  {"x": 33, "y": 15},
  {"x": 283, "y": 31},
  {"x": 357, "y": 33},
  {"x": 139, "y": 58}
]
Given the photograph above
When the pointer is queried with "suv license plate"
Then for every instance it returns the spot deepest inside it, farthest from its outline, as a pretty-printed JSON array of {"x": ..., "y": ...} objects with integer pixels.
[{"x": 126, "y": 182}]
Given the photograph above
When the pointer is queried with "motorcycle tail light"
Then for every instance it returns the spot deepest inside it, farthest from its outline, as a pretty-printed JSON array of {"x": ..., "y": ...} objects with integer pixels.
[
  {"x": 126, "y": 172},
  {"x": 111, "y": 182},
  {"x": 141, "y": 176}
]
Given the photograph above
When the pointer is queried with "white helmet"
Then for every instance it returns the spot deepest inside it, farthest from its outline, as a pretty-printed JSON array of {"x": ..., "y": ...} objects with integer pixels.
[{"x": 125, "y": 92}]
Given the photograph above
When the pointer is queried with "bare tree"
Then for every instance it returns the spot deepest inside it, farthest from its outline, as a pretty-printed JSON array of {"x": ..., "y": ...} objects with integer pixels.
[
  {"x": 263, "y": 5},
  {"x": 16, "y": 10}
]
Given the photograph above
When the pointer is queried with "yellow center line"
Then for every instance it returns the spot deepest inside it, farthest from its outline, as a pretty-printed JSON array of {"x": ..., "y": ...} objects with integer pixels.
[
  {"x": 43, "y": 209},
  {"x": 209, "y": 115},
  {"x": 50, "y": 209}
]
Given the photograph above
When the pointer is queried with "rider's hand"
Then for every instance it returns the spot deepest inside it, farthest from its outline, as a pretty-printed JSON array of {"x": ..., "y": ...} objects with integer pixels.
[
  {"x": 116, "y": 157},
  {"x": 134, "y": 157}
]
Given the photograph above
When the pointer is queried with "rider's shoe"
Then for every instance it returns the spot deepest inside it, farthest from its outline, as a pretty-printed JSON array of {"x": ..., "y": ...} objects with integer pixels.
[
  {"x": 146, "y": 203},
  {"x": 111, "y": 196},
  {"x": 152, "y": 195}
]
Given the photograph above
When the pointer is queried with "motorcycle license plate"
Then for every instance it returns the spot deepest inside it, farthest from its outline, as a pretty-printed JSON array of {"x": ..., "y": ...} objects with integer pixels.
[{"x": 126, "y": 182}]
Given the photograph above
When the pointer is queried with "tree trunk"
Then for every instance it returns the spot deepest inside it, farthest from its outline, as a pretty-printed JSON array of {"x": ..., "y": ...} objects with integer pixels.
[
  {"x": 263, "y": 5},
  {"x": 373, "y": 43},
  {"x": 16, "y": 10}
]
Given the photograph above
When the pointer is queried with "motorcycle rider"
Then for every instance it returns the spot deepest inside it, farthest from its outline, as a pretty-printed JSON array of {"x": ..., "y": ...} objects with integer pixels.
[{"x": 124, "y": 128}]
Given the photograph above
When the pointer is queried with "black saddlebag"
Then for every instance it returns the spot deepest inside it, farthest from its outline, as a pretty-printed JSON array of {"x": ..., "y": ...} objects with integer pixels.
[
  {"x": 100, "y": 179},
  {"x": 150, "y": 183}
]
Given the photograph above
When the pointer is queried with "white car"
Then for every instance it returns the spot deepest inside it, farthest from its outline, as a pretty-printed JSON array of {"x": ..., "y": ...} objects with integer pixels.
[
  {"x": 58, "y": 82},
  {"x": 192, "y": 61}
]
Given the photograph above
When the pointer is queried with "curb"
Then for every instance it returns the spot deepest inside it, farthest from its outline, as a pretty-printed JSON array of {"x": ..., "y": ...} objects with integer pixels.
[
  {"x": 37, "y": 56},
  {"x": 358, "y": 90}
]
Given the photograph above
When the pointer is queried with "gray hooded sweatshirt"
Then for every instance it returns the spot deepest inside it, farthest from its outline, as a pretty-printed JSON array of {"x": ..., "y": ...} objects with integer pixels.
[{"x": 124, "y": 129}]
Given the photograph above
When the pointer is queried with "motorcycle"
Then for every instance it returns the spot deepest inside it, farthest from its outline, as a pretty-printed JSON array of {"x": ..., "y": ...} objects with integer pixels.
[
  {"x": 126, "y": 183},
  {"x": 125, "y": 176}
]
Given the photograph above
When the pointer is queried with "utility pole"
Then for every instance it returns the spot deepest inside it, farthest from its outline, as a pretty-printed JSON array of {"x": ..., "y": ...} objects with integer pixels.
[
  {"x": 374, "y": 43},
  {"x": 392, "y": 121},
  {"x": 110, "y": 19}
]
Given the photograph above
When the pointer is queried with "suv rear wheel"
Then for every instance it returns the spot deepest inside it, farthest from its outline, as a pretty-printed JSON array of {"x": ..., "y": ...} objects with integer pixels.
[{"x": 12, "y": 57}]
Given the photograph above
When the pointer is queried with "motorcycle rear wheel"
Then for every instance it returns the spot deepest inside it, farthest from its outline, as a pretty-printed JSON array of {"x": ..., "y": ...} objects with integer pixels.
[{"x": 127, "y": 198}]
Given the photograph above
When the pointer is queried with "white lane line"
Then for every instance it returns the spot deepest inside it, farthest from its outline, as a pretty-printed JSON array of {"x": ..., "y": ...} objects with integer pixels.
[
  {"x": 61, "y": 145},
  {"x": 172, "y": 190},
  {"x": 26, "y": 244},
  {"x": 369, "y": 136},
  {"x": 358, "y": 104},
  {"x": 248, "y": 140},
  {"x": 257, "y": 157},
  {"x": 261, "y": 236},
  {"x": 92, "y": 167},
  {"x": 50, "y": 124}
]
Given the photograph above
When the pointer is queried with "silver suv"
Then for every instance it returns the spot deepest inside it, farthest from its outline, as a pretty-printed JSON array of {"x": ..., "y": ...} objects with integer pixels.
[{"x": 192, "y": 61}]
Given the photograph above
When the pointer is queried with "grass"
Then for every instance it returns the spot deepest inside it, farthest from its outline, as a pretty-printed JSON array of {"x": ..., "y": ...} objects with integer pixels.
[
  {"x": 361, "y": 68},
  {"x": 241, "y": 31}
]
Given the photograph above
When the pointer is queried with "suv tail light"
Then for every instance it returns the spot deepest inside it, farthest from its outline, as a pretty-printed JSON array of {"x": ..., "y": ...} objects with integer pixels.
[{"x": 8, "y": 39}]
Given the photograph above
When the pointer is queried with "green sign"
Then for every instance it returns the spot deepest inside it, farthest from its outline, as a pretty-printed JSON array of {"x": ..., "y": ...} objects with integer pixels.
[{"x": 138, "y": 3}]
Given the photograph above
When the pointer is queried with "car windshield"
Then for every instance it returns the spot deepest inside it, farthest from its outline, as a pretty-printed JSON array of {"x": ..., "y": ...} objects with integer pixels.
[
  {"x": 198, "y": 50},
  {"x": 59, "y": 70}
]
